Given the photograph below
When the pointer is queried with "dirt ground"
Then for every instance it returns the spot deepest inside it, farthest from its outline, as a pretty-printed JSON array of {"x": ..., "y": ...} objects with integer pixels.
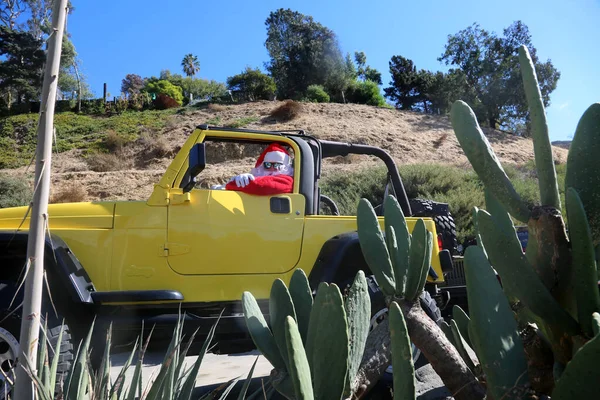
[{"x": 409, "y": 137}]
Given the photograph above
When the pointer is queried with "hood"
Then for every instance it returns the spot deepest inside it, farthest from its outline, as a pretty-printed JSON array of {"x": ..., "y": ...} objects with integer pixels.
[{"x": 96, "y": 215}]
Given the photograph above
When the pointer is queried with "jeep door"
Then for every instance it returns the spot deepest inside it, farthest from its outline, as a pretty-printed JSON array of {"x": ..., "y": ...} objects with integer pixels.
[{"x": 219, "y": 232}]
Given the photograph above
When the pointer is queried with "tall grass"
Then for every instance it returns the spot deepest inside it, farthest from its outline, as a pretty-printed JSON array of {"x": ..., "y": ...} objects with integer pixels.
[{"x": 460, "y": 188}]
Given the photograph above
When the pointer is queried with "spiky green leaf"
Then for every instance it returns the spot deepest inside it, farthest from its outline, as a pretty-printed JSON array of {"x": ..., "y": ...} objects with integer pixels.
[
  {"x": 462, "y": 323},
  {"x": 460, "y": 344},
  {"x": 583, "y": 165},
  {"x": 260, "y": 332},
  {"x": 242, "y": 394},
  {"x": 303, "y": 300},
  {"x": 426, "y": 264},
  {"x": 394, "y": 220},
  {"x": 519, "y": 278},
  {"x": 417, "y": 258},
  {"x": 280, "y": 306},
  {"x": 299, "y": 368},
  {"x": 190, "y": 381},
  {"x": 358, "y": 312},
  {"x": 584, "y": 278},
  {"x": 373, "y": 246},
  {"x": 542, "y": 148},
  {"x": 484, "y": 161},
  {"x": 404, "y": 370},
  {"x": 493, "y": 327},
  {"x": 327, "y": 350}
]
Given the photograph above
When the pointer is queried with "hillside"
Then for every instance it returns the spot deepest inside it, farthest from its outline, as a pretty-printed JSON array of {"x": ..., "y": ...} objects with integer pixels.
[{"x": 138, "y": 162}]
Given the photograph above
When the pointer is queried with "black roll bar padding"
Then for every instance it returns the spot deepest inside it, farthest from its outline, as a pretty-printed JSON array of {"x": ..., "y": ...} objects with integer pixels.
[{"x": 332, "y": 149}]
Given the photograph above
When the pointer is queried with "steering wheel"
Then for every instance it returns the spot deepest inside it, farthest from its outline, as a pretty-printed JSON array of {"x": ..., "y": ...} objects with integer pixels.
[{"x": 331, "y": 204}]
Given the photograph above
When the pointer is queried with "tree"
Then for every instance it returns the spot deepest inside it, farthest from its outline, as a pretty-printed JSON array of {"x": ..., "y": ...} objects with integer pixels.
[
  {"x": 252, "y": 85},
  {"x": 132, "y": 84},
  {"x": 10, "y": 10},
  {"x": 365, "y": 72},
  {"x": 303, "y": 52},
  {"x": 21, "y": 71},
  {"x": 190, "y": 64},
  {"x": 491, "y": 68},
  {"x": 405, "y": 83}
]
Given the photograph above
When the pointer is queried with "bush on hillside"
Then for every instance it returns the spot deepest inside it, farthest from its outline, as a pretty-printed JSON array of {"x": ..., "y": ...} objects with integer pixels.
[
  {"x": 317, "y": 94},
  {"x": 74, "y": 193},
  {"x": 14, "y": 192},
  {"x": 289, "y": 110},
  {"x": 366, "y": 92},
  {"x": 167, "y": 88},
  {"x": 164, "y": 102}
]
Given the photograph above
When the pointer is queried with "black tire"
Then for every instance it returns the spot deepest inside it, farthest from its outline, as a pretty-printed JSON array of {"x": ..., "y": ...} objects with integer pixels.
[
  {"x": 10, "y": 328},
  {"x": 444, "y": 223}
]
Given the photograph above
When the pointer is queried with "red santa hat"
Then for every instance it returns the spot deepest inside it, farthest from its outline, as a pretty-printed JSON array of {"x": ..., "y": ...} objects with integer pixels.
[{"x": 273, "y": 153}]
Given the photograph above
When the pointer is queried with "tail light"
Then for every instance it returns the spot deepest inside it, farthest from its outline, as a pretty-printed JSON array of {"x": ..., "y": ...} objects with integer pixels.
[{"x": 439, "y": 238}]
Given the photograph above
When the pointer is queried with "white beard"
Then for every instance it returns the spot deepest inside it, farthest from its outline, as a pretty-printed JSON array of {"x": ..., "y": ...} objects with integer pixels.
[{"x": 261, "y": 171}]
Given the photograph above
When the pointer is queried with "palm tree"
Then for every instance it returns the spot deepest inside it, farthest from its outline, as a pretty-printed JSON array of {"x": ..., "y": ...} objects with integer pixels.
[{"x": 190, "y": 64}]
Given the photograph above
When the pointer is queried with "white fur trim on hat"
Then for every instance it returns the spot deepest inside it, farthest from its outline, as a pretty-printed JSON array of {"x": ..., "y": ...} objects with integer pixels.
[{"x": 278, "y": 157}]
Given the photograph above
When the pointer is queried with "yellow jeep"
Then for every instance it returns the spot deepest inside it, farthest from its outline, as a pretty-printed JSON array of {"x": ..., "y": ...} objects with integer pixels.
[{"x": 197, "y": 249}]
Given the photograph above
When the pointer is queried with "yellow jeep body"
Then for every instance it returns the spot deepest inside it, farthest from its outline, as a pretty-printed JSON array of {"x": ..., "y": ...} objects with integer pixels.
[{"x": 208, "y": 245}]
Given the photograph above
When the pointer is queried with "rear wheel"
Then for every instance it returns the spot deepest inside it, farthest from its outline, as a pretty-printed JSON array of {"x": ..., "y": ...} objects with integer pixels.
[
  {"x": 10, "y": 328},
  {"x": 444, "y": 223}
]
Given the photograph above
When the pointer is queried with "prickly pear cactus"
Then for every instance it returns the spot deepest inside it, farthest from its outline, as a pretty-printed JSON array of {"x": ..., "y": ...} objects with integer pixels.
[
  {"x": 312, "y": 344},
  {"x": 555, "y": 282},
  {"x": 400, "y": 261}
]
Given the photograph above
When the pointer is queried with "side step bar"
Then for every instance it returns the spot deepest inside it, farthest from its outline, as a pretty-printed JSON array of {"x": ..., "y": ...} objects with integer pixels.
[{"x": 135, "y": 296}]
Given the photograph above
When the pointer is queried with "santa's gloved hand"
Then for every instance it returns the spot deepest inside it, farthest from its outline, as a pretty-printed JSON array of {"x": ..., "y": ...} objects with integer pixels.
[{"x": 243, "y": 179}]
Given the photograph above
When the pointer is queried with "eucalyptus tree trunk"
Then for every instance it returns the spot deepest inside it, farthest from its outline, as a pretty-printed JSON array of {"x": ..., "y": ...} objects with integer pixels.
[{"x": 30, "y": 323}]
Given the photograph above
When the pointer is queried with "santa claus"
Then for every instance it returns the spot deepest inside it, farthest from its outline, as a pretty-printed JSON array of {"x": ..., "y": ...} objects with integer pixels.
[{"x": 272, "y": 174}]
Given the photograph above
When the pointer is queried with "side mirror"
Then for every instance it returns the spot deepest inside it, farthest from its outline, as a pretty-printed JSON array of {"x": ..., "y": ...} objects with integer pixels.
[{"x": 197, "y": 163}]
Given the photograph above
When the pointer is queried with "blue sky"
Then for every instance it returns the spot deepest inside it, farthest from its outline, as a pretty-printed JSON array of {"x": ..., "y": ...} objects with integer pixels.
[{"x": 144, "y": 37}]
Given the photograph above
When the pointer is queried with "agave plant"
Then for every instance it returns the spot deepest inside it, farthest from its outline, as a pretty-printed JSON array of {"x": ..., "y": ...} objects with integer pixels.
[
  {"x": 537, "y": 331},
  {"x": 174, "y": 380}
]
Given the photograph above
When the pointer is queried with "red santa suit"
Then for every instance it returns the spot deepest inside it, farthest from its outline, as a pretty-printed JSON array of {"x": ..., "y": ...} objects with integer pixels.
[{"x": 263, "y": 180}]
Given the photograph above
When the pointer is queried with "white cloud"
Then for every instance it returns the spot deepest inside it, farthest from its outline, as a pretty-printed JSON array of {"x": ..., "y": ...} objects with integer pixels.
[{"x": 563, "y": 106}]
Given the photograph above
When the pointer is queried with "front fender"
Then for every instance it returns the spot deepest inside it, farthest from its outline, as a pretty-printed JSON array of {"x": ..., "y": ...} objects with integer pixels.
[{"x": 58, "y": 260}]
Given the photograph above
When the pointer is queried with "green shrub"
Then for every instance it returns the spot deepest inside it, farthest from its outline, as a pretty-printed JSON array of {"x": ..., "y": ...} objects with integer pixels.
[
  {"x": 366, "y": 92},
  {"x": 317, "y": 94},
  {"x": 14, "y": 192},
  {"x": 167, "y": 88},
  {"x": 460, "y": 188},
  {"x": 346, "y": 189}
]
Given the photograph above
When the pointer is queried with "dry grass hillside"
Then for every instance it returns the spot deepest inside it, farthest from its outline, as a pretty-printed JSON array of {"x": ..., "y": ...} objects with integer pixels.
[{"x": 131, "y": 169}]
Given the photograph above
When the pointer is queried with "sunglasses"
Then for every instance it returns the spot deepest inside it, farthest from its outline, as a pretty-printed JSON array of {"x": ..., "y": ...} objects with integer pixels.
[{"x": 272, "y": 165}]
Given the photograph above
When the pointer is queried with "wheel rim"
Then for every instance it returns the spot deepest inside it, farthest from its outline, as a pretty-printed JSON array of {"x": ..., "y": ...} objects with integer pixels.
[
  {"x": 377, "y": 319},
  {"x": 9, "y": 348}
]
